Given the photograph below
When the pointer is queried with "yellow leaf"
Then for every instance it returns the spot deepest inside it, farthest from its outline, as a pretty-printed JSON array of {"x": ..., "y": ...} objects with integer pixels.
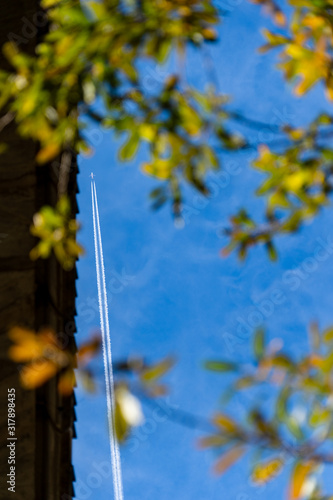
[
  {"x": 152, "y": 373},
  {"x": 295, "y": 51},
  {"x": 147, "y": 131},
  {"x": 312, "y": 21},
  {"x": 299, "y": 475},
  {"x": 273, "y": 38},
  {"x": 48, "y": 152},
  {"x": 295, "y": 133},
  {"x": 161, "y": 168},
  {"x": 295, "y": 181},
  {"x": 278, "y": 199},
  {"x": 28, "y": 105},
  {"x": 226, "y": 423},
  {"x": 49, "y": 3},
  {"x": 329, "y": 93},
  {"x": 228, "y": 459},
  {"x": 303, "y": 86},
  {"x": 64, "y": 44},
  {"x": 265, "y": 471}
]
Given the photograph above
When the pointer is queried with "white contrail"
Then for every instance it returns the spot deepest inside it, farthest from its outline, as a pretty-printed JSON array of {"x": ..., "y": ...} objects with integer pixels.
[
  {"x": 106, "y": 341},
  {"x": 108, "y": 344},
  {"x": 106, "y": 368},
  {"x": 115, "y": 456}
]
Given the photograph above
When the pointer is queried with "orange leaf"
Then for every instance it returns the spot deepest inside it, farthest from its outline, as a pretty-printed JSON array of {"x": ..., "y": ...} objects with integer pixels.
[
  {"x": 37, "y": 373},
  {"x": 30, "y": 345},
  {"x": 228, "y": 459},
  {"x": 27, "y": 345},
  {"x": 280, "y": 18},
  {"x": 299, "y": 475},
  {"x": 88, "y": 350},
  {"x": 329, "y": 93},
  {"x": 48, "y": 152},
  {"x": 211, "y": 441},
  {"x": 66, "y": 383},
  {"x": 158, "y": 390}
]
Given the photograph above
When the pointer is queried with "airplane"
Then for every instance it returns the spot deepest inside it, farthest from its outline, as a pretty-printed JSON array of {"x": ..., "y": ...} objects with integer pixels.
[{"x": 91, "y": 175}]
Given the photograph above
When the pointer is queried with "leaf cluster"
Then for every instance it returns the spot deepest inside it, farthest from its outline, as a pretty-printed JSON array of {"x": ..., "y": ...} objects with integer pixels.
[{"x": 293, "y": 427}]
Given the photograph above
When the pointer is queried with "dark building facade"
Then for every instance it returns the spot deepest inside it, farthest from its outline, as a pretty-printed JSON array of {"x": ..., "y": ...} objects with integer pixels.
[{"x": 32, "y": 294}]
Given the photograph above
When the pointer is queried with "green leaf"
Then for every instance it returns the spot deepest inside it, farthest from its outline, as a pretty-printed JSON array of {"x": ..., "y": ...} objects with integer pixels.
[
  {"x": 328, "y": 363},
  {"x": 319, "y": 415},
  {"x": 293, "y": 426},
  {"x": 64, "y": 206},
  {"x": 120, "y": 423},
  {"x": 128, "y": 412},
  {"x": 328, "y": 335},
  {"x": 281, "y": 403},
  {"x": 129, "y": 149},
  {"x": 163, "y": 50},
  {"x": 282, "y": 361},
  {"x": 324, "y": 119},
  {"x": 220, "y": 366},
  {"x": 259, "y": 343},
  {"x": 272, "y": 253}
]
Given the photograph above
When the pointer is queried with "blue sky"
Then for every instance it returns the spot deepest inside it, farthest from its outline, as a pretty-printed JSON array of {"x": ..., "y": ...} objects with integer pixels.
[{"x": 173, "y": 293}]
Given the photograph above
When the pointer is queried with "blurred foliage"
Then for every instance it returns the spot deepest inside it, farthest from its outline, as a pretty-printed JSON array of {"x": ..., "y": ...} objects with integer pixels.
[
  {"x": 299, "y": 172},
  {"x": 274, "y": 10},
  {"x": 56, "y": 231},
  {"x": 91, "y": 59},
  {"x": 298, "y": 183},
  {"x": 306, "y": 48},
  {"x": 128, "y": 412},
  {"x": 41, "y": 356},
  {"x": 93, "y": 52},
  {"x": 291, "y": 428}
]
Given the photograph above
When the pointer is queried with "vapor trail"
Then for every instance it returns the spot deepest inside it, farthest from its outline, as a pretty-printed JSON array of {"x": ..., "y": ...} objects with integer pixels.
[{"x": 106, "y": 342}]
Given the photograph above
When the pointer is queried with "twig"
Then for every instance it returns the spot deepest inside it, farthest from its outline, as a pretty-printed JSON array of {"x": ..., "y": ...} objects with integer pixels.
[
  {"x": 64, "y": 170},
  {"x": 6, "y": 119}
]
